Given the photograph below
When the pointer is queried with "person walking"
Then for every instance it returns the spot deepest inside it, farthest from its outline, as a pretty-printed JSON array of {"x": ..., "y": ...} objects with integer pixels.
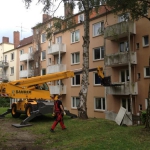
[{"x": 59, "y": 112}]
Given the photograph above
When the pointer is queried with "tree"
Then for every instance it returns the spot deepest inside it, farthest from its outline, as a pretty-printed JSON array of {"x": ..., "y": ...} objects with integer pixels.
[
  {"x": 87, "y": 6},
  {"x": 136, "y": 8}
]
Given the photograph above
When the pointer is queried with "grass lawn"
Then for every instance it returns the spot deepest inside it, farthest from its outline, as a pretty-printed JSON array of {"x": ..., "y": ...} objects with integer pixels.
[{"x": 91, "y": 134}]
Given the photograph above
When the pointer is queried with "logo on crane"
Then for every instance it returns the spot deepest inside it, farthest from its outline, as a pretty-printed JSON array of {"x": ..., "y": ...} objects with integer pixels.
[{"x": 21, "y": 92}]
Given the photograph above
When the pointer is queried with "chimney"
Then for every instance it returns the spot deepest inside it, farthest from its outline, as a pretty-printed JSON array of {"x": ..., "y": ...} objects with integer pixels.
[
  {"x": 68, "y": 9},
  {"x": 5, "y": 40},
  {"x": 46, "y": 17},
  {"x": 16, "y": 38}
]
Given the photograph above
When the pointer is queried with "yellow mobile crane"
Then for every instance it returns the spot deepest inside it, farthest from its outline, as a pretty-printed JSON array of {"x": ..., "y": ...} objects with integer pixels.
[{"x": 34, "y": 94}]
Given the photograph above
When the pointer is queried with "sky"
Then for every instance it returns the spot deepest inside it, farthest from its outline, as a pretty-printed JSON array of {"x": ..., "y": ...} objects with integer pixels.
[{"x": 15, "y": 17}]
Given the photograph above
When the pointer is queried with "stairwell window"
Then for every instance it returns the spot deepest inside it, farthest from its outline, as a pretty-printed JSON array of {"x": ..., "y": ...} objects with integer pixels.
[
  {"x": 75, "y": 58},
  {"x": 75, "y": 36},
  {"x": 146, "y": 72},
  {"x": 43, "y": 55},
  {"x": 98, "y": 28},
  {"x": 75, "y": 80},
  {"x": 12, "y": 56},
  {"x": 98, "y": 53},
  {"x": 43, "y": 37},
  {"x": 75, "y": 102},
  {"x": 125, "y": 102},
  {"x": 145, "y": 41},
  {"x": 99, "y": 104},
  {"x": 97, "y": 80},
  {"x": 11, "y": 70}
]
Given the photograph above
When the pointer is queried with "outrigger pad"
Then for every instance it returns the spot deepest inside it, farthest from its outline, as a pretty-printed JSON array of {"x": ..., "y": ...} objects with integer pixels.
[{"x": 21, "y": 125}]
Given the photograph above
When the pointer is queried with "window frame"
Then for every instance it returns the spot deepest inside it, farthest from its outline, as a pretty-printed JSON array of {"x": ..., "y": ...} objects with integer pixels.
[
  {"x": 125, "y": 47},
  {"x": 12, "y": 55},
  {"x": 103, "y": 103},
  {"x": 74, "y": 36},
  {"x": 30, "y": 50},
  {"x": 80, "y": 18},
  {"x": 126, "y": 75},
  {"x": 43, "y": 38},
  {"x": 145, "y": 75},
  {"x": 74, "y": 98},
  {"x": 43, "y": 69},
  {"x": 21, "y": 67},
  {"x": 101, "y": 28},
  {"x": 74, "y": 57},
  {"x": 74, "y": 80},
  {"x": 21, "y": 52},
  {"x": 100, "y": 49},
  {"x": 143, "y": 41},
  {"x": 94, "y": 74},
  {"x": 11, "y": 70},
  {"x": 127, "y": 104},
  {"x": 58, "y": 39},
  {"x": 42, "y": 59}
]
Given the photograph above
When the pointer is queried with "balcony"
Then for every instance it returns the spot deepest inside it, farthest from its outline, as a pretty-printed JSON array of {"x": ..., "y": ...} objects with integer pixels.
[
  {"x": 124, "y": 89},
  {"x": 27, "y": 56},
  {"x": 56, "y": 68},
  {"x": 3, "y": 77},
  {"x": 4, "y": 64},
  {"x": 55, "y": 48},
  {"x": 26, "y": 73},
  {"x": 57, "y": 89},
  {"x": 119, "y": 30},
  {"x": 120, "y": 59}
]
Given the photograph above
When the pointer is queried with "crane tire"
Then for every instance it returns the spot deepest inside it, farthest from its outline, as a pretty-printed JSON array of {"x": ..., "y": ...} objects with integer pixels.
[
  {"x": 28, "y": 110},
  {"x": 14, "y": 112}
]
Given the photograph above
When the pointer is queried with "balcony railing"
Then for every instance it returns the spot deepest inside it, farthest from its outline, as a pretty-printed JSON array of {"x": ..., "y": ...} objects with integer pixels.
[
  {"x": 56, "y": 68},
  {"x": 3, "y": 77},
  {"x": 57, "y": 89},
  {"x": 26, "y": 73},
  {"x": 120, "y": 59},
  {"x": 123, "y": 89},
  {"x": 55, "y": 48},
  {"x": 4, "y": 63},
  {"x": 27, "y": 56},
  {"x": 119, "y": 30}
]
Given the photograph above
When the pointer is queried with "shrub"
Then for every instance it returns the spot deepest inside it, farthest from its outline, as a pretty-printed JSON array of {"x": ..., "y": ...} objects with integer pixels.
[
  {"x": 143, "y": 117},
  {"x": 4, "y": 102}
]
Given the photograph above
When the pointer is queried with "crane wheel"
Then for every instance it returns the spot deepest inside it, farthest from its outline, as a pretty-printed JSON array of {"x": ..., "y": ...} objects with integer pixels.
[
  {"x": 14, "y": 112},
  {"x": 28, "y": 110}
]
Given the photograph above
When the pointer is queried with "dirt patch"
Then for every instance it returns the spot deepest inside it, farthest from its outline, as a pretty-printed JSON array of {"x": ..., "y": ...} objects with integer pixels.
[{"x": 12, "y": 138}]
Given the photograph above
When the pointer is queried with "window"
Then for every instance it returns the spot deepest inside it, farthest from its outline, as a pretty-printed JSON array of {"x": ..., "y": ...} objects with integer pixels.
[
  {"x": 21, "y": 67},
  {"x": 58, "y": 60},
  {"x": 123, "y": 17},
  {"x": 37, "y": 31},
  {"x": 43, "y": 37},
  {"x": 43, "y": 55},
  {"x": 145, "y": 40},
  {"x": 21, "y": 52},
  {"x": 137, "y": 46},
  {"x": 80, "y": 18},
  {"x": 75, "y": 36},
  {"x": 59, "y": 39},
  {"x": 76, "y": 80},
  {"x": 146, "y": 72},
  {"x": 98, "y": 53},
  {"x": 123, "y": 46},
  {"x": 75, "y": 58},
  {"x": 5, "y": 58},
  {"x": 126, "y": 104},
  {"x": 36, "y": 65},
  {"x": 124, "y": 75},
  {"x": 75, "y": 102},
  {"x": 30, "y": 49},
  {"x": 12, "y": 56},
  {"x": 97, "y": 80},
  {"x": 43, "y": 71},
  {"x": 11, "y": 70},
  {"x": 99, "y": 104},
  {"x": 98, "y": 28}
]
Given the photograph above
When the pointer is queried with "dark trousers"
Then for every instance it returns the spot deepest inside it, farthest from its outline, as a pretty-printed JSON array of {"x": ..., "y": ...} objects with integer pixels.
[{"x": 59, "y": 118}]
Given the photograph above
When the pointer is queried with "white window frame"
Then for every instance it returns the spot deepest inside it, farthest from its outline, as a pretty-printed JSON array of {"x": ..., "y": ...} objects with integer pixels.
[
  {"x": 73, "y": 36},
  {"x": 125, "y": 74},
  {"x": 103, "y": 103},
  {"x": 12, "y": 56},
  {"x": 21, "y": 67},
  {"x": 11, "y": 70},
  {"x": 80, "y": 18},
  {"x": 143, "y": 41},
  {"x": 59, "y": 39},
  {"x": 121, "y": 17},
  {"x": 21, "y": 52},
  {"x": 74, "y": 58},
  {"x": 30, "y": 50},
  {"x": 145, "y": 75},
  {"x": 74, "y": 80},
  {"x": 127, "y": 104},
  {"x": 100, "y": 53},
  {"x": 99, "y": 27},
  {"x": 74, "y": 102},
  {"x": 125, "y": 46},
  {"x": 42, "y": 55},
  {"x": 96, "y": 74},
  {"x": 43, "y": 37}
]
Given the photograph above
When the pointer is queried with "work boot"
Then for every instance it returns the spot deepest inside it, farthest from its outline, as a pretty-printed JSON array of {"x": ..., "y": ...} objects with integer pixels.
[{"x": 51, "y": 130}]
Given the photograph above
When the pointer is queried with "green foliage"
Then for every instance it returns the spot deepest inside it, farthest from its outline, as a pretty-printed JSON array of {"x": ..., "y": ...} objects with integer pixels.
[
  {"x": 143, "y": 117},
  {"x": 4, "y": 102}
]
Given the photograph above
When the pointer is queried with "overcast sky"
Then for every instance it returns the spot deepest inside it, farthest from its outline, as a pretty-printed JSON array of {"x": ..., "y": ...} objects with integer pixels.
[{"x": 15, "y": 17}]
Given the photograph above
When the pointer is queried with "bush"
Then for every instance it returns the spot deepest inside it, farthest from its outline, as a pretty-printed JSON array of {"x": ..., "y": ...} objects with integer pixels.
[
  {"x": 4, "y": 102},
  {"x": 143, "y": 117}
]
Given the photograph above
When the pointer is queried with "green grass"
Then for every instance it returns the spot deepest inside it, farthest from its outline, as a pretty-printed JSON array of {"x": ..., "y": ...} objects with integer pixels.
[{"x": 91, "y": 134}]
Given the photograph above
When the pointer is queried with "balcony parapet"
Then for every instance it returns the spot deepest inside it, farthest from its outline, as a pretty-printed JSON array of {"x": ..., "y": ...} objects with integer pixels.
[
  {"x": 124, "y": 89},
  {"x": 119, "y": 30},
  {"x": 55, "y": 48},
  {"x": 120, "y": 59},
  {"x": 26, "y": 73},
  {"x": 56, "y": 68},
  {"x": 26, "y": 56},
  {"x": 4, "y": 63},
  {"x": 56, "y": 89}
]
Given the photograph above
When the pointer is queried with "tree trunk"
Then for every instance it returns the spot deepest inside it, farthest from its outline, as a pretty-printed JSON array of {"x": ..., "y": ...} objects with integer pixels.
[{"x": 82, "y": 108}]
